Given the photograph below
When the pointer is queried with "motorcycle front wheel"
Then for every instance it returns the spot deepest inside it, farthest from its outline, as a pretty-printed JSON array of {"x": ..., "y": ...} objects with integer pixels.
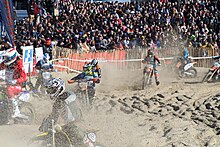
[
  {"x": 209, "y": 78},
  {"x": 146, "y": 79},
  {"x": 28, "y": 110}
]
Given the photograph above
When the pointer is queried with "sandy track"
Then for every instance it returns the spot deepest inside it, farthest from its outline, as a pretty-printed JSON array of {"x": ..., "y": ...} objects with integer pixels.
[{"x": 124, "y": 116}]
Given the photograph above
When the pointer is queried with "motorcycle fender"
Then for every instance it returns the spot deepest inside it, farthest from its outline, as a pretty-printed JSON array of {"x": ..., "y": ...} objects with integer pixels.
[
  {"x": 70, "y": 116},
  {"x": 147, "y": 70},
  {"x": 42, "y": 134},
  {"x": 71, "y": 98},
  {"x": 188, "y": 66},
  {"x": 178, "y": 64},
  {"x": 24, "y": 96},
  {"x": 213, "y": 68}
]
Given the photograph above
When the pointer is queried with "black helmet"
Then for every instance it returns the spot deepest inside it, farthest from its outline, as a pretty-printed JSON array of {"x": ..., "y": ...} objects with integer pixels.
[
  {"x": 94, "y": 62},
  {"x": 150, "y": 53}
]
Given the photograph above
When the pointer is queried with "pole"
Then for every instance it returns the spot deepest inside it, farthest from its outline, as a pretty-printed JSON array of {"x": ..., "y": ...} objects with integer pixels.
[
  {"x": 53, "y": 134},
  {"x": 29, "y": 71}
]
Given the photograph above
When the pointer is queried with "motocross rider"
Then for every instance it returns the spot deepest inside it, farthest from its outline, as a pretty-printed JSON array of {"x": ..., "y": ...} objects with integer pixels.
[
  {"x": 185, "y": 55},
  {"x": 15, "y": 77},
  {"x": 55, "y": 88},
  {"x": 184, "y": 59},
  {"x": 90, "y": 70},
  {"x": 42, "y": 64},
  {"x": 152, "y": 59}
]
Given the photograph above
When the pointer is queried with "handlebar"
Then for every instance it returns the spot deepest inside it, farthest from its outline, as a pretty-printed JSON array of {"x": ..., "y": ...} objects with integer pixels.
[{"x": 95, "y": 80}]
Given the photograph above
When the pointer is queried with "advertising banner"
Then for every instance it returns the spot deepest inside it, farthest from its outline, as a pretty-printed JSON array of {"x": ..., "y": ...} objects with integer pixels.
[
  {"x": 7, "y": 14},
  {"x": 28, "y": 52}
]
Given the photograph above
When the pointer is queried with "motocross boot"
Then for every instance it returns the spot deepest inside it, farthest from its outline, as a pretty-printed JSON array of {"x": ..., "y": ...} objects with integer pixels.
[
  {"x": 150, "y": 82},
  {"x": 157, "y": 81},
  {"x": 15, "y": 112},
  {"x": 10, "y": 121},
  {"x": 15, "y": 109}
]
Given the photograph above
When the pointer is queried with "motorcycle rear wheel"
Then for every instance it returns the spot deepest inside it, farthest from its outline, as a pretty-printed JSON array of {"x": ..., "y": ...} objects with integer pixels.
[
  {"x": 193, "y": 71},
  {"x": 4, "y": 114}
]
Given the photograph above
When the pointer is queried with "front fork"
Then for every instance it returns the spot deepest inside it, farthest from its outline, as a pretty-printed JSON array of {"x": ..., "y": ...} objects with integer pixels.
[{"x": 149, "y": 75}]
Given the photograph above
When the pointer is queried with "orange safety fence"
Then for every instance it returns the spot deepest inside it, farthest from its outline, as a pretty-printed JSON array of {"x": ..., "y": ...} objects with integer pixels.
[
  {"x": 76, "y": 60},
  {"x": 116, "y": 57}
]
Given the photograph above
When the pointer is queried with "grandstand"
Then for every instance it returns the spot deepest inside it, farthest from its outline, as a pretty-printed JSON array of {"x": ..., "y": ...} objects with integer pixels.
[{"x": 90, "y": 27}]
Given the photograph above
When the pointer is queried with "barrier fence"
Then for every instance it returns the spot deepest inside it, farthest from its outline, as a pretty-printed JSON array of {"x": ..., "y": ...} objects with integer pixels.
[{"x": 68, "y": 59}]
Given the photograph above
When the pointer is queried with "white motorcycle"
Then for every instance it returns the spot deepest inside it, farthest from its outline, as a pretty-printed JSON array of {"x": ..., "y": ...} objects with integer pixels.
[{"x": 185, "y": 70}]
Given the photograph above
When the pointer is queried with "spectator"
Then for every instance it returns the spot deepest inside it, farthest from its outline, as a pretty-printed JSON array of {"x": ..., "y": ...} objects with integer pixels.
[{"x": 136, "y": 24}]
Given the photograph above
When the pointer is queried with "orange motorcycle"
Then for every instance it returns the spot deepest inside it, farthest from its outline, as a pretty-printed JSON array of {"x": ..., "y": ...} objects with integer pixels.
[{"x": 213, "y": 74}]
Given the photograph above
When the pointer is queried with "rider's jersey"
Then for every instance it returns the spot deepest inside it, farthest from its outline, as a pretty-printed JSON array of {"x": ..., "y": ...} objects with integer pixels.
[
  {"x": 92, "y": 71},
  {"x": 151, "y": 60},
  {"x": 16, "y": 72},
  {"x": 43, "y": 65},
  {"x": 87, "y": 69},
  {"x": 185, "y": 53},
  {"x": 96, "y": 71}
]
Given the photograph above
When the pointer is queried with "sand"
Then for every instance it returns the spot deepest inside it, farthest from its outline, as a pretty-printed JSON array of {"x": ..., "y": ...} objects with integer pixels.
[{"x": 173, "y": 114}]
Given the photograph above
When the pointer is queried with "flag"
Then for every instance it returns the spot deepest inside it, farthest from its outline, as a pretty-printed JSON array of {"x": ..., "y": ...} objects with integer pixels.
[{"x": 6, "y": 7}]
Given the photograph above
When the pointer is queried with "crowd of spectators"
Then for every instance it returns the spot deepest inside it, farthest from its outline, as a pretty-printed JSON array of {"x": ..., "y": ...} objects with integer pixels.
[{"x": 111, "y": 25}]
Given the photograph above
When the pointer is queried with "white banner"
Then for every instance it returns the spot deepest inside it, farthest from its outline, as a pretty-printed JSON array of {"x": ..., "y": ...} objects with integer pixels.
[
  {"x": 39, "y": 53},
  {"x": 28, "y": 52}
]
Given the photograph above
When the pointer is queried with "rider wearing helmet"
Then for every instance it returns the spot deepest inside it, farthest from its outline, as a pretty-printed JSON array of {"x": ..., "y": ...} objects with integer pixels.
[
  {"x": 185, "y": 55},
  {"x": 15, "y": 77},
  {"x": 42, "y": 65},
  {"x": 96, "y": 69},
  {"x": 55, "y": 88},
  {"x": 90, "y": 70},
  {"x": 184, "y": 58},
  {"x": 152, "y": 59}
]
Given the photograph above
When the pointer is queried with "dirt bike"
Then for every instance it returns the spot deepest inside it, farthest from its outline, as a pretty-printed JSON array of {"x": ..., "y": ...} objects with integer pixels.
[
  {"x": 66, "y": 107},
  {"x": 85, "y": 90},
  {"x": 147, "y": 76},
  {"x": 213, "y": 74},
  {"x": 68, "y": 135},
  {"x": 26, "y": 108},
  {"x": 185, "y": 70}
]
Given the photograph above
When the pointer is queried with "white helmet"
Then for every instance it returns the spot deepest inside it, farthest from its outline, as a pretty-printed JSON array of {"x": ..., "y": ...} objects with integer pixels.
[
  {"x": 10, "y": 56},
  {"x": 55, "y": 87}
]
